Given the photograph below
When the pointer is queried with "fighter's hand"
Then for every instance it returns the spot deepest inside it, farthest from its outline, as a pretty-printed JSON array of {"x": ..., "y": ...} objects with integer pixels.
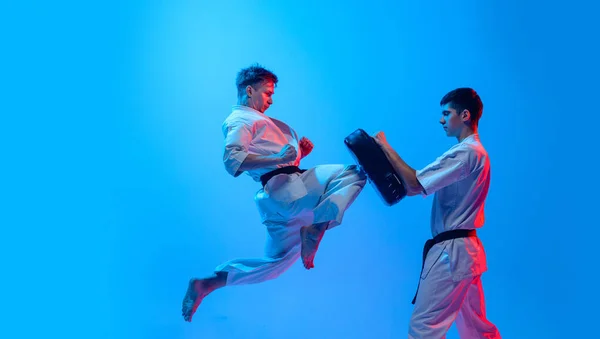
[
  {"x": 288, "y": 153},
  {"x": 306, "y": 146},
  {"x": 380, "y": 139}
]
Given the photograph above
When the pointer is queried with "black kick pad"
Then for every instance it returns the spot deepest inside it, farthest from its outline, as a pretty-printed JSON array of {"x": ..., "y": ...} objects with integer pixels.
[{"x": 376, "y": 165}]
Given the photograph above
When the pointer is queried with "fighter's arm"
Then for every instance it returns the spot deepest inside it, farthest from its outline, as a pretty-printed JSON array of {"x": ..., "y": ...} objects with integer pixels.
[
  {"x": 451, "y": 167},
  {"x": 254, "y": 161},
  {"x": 238, "y": 159},
  {"x": 408, "y": 174},
  {"x": 238, "y": 137}
]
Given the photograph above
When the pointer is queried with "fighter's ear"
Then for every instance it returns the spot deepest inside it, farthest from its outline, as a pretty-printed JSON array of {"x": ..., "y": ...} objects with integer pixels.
[{"x": 465, "y": 115}]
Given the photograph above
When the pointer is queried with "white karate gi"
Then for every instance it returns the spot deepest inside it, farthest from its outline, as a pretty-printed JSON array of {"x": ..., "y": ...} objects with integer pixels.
[
  {"x": 288, "y": 201},
  {"x": 450, "y": 287}
]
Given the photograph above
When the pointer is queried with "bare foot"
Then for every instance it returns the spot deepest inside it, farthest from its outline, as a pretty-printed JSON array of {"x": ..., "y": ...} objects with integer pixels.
[
  {"x": 311, "y": 237},
  {"x": 193, "y": 297}
]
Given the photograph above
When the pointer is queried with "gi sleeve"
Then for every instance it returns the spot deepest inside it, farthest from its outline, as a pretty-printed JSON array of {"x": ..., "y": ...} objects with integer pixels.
[
  {"x": 449, "y": 168},
  {"x": 237, "y": 140}
]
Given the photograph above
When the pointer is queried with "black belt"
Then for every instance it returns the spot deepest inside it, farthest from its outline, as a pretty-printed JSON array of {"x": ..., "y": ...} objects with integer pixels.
[
  {"x": 283, "y": 170},
  {"x": 448, "y": 235}
]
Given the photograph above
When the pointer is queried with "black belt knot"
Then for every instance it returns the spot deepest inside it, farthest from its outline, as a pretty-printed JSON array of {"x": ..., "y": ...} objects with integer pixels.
[{"x": 283, "y": 170}]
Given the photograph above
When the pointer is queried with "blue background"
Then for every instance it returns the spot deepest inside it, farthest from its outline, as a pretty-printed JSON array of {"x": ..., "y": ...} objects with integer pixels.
[{"x": 114, "y": 193}]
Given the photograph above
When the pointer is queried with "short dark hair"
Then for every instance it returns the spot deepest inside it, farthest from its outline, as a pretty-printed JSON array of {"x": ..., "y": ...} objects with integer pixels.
[
  {"x": 465, "y": 98},
  {"x": 251, "y": 76}
]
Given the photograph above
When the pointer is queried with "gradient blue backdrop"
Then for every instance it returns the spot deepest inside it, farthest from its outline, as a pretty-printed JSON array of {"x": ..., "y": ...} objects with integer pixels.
[{"x": 114, "y": 192}]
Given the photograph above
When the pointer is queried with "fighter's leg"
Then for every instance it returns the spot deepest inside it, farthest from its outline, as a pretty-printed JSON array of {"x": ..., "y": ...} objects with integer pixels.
[
  {"x": 337, "y": 187},
  {"x": 311, "y": 238},
  {"x": 197, "y": 290},
  {"x": 282, "y": 250},
  {"x": 472, "y": 321},
  {"x": 438, "y": 301}
]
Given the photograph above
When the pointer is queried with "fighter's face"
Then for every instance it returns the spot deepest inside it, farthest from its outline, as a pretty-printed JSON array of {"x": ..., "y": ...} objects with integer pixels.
[
  {"x": 260, "y": 97},
  {"x": 453, "y": 121}
]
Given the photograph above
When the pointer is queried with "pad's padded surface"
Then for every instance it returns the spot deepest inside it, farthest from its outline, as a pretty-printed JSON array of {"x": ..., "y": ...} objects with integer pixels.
[{"x": 376, "y": 165}]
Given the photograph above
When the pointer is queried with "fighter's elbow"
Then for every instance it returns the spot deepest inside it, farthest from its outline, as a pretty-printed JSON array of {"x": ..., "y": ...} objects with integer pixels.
[{"x": 234, "y": 169}]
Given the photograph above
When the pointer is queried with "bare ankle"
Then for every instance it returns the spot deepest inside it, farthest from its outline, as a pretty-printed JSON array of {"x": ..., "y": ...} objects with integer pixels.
[
  {"x": 215, "y": 282},
  {"x": 321, "y": 226},
  {"x": 316, "y": 229}
]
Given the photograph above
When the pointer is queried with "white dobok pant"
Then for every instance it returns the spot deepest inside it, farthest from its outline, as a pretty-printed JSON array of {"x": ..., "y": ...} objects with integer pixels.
[
  {"x": 443, "y": 299},
  {"x": 325, "y": 192}
]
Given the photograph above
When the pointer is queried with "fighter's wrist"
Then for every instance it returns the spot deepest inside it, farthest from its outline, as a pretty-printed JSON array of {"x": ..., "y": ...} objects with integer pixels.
[{"x": 385, "y": 148}]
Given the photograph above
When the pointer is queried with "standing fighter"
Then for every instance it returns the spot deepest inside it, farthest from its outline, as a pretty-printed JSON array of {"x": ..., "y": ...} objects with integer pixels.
[
  {"x": 296, "y": 206},
  {"x": 453, "y": 261}
]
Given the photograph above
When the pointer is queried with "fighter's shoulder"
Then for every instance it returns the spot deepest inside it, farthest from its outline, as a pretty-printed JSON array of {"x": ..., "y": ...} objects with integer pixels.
[
  {"x": 468, "y": 154},
  {"x": 475, "y": 154},
  {"x": 460, "y": 151},
  {"x": 240, "y": 118},
  {"x": 476, "y": 148}
]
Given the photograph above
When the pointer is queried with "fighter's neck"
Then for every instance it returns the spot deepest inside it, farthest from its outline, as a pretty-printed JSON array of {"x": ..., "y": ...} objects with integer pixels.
[
  {"x": 467, "y": 132},
  {"x": 246, "y": 104}
]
